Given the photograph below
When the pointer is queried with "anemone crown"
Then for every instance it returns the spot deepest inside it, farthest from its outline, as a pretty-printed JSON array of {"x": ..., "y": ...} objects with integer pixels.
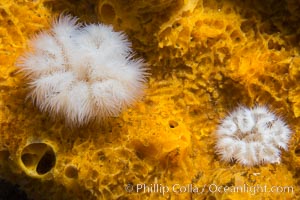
[
  {"x": 82, "y": 72},
  {"x": 252, "y": 136}
]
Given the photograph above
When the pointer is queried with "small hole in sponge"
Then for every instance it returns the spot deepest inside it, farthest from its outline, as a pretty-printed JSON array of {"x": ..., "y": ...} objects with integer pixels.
[
  {"x": 28, "y": 159},
  {"x": 173, "y": 124},
  {"x": 211, "y": 198},
  {"x": 71, "y": 171},
  {"x": 107, "y": 13},
  {"x": 46, "y": 163},
  {"x": 38, "y": 158},
  {"x": 297, "y": 151}
]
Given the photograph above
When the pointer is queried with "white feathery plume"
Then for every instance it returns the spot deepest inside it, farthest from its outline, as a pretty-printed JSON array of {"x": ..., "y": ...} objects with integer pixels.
[
  {"x": 82, "y": 72},
  {"x": 252, "y": 136}
]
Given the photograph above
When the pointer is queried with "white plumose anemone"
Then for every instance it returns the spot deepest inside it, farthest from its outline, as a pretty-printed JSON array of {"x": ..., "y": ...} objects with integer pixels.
[
  {"x": 252, "y": 136},
  {"x": 81, "y": 72}
]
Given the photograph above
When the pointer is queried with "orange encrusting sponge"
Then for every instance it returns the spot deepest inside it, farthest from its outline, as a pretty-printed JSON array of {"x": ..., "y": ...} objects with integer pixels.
[{"x": 206, "y": 58}]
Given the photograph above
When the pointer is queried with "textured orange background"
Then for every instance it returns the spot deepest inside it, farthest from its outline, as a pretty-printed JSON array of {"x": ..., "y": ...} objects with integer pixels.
[{"x": 206, "y": 57}]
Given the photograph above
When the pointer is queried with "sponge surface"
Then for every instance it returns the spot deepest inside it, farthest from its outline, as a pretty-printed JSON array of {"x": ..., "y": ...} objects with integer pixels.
[{"x": 206, "y": 57}]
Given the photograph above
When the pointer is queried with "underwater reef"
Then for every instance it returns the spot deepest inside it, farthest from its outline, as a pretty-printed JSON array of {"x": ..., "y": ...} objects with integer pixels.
[{"x": 206, "y": 57}]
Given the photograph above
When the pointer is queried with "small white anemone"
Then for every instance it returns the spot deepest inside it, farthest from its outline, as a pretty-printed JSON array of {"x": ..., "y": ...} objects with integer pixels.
[{"x": 252, "y": 136}]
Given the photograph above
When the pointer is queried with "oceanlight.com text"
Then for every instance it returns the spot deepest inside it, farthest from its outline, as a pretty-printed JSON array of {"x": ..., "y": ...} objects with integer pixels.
[{"x": 210, "y": 188}]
